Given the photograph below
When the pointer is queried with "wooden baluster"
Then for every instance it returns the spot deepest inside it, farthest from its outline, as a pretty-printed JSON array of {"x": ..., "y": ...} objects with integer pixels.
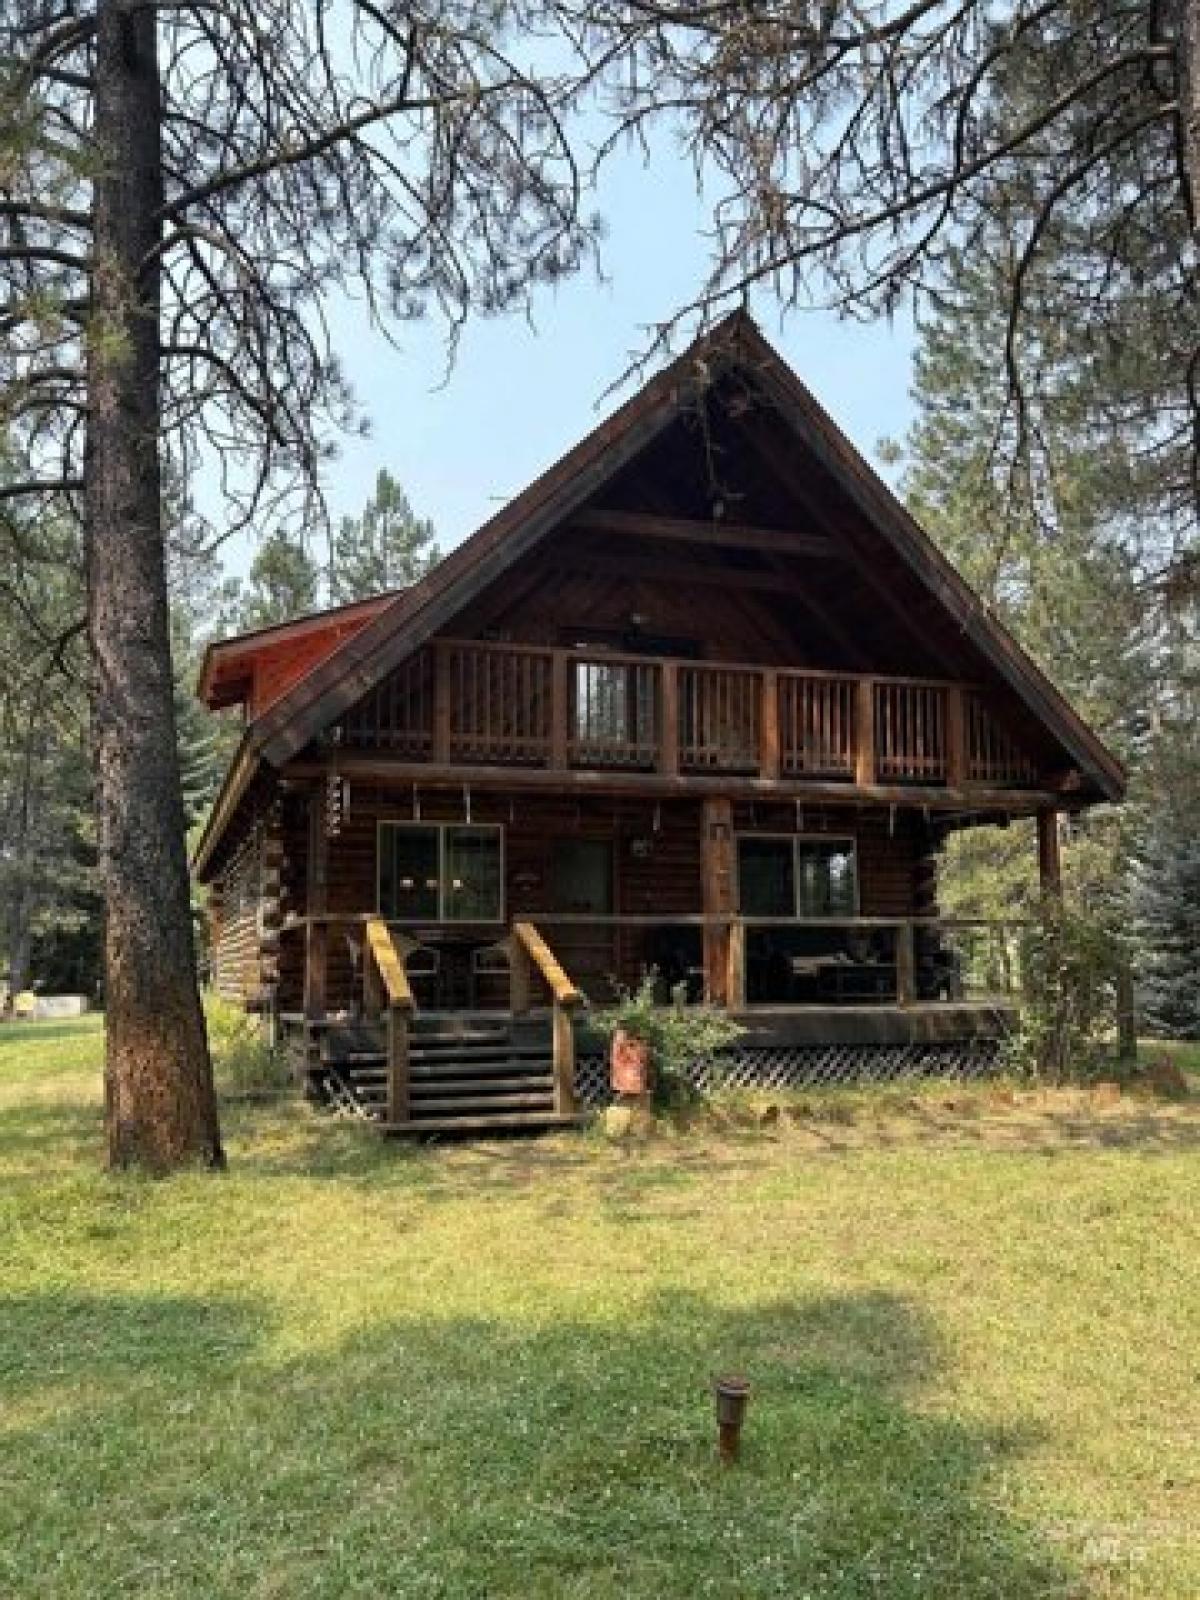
[
  {"x": 908, "y": 729},
  {"x": 560, "y": 712},
  {"x": 442, "y": 696},
  {"x": 956, "y": 737},
  {"x": 849, "y": 720},
  {"x": 668, "y": 733}
]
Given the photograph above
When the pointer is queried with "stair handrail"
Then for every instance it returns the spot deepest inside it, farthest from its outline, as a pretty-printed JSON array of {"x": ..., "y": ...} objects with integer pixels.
[
  {"x": 528, "y": 945},
  {"x": 539, "y": 952},
  {"x": 388, "y": 954}
]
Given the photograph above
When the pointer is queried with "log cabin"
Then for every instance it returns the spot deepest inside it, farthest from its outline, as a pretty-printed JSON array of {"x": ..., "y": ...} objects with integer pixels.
[{"x": 703, "y": 700}]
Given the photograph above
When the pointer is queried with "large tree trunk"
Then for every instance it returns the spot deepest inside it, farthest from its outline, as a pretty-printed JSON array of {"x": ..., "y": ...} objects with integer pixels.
[
  {"x": 160, "y": 1105},
  {"x": 1188, "y": 90}
]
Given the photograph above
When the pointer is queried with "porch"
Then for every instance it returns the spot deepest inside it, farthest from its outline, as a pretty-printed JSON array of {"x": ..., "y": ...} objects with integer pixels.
[{"x": 515, "y": 1048}]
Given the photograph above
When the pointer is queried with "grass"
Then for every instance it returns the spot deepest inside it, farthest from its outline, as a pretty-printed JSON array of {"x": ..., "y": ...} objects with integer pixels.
[{"x": 352, "y": 1369}]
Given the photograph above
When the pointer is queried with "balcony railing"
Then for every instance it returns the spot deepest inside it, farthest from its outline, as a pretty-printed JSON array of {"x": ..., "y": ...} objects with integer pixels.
[{"x": 475, "y": 703}]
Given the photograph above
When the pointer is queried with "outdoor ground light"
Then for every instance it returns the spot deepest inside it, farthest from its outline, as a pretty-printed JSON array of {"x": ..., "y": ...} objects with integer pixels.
[{"x": 732, "y": 1395}]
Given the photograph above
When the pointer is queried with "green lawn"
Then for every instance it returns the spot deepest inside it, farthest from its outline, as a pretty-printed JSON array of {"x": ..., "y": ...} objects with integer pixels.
[{"x": 972, "y": 1323}]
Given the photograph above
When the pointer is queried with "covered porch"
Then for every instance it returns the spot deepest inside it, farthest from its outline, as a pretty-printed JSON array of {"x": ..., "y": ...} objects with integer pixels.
[
  {"x": 477, "y": 930},
  {"x": 516, "y": 1023}
]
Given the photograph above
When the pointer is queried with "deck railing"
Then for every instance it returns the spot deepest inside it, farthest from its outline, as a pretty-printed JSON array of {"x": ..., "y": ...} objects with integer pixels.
[{"x": 478, "y": 703}]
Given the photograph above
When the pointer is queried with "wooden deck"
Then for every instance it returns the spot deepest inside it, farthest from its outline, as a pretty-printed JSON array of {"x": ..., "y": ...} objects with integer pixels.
[
  {"x": 930, "y": 1022},
  {"x": 459, "y": 704}
]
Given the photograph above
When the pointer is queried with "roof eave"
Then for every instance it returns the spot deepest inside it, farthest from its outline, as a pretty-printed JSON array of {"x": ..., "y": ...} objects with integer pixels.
[{"x": 241, "y": 773}]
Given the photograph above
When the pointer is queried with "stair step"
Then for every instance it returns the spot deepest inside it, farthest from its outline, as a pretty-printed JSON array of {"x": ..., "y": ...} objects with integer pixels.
[
  {"x": 496, "y": 1124},
  {"x": 425, "y": 1027},
  {"x": 474, "y": 1047},
  {"x": 500, "y": 1061},
  {"x": 454, "y": 1075},
  {"x": 527, "y": 1081},
  {"x": 489, "y": 1102}
]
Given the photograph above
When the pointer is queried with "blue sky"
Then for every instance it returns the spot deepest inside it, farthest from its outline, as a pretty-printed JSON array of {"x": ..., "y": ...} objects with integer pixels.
[{"x": 519, "y": 395}]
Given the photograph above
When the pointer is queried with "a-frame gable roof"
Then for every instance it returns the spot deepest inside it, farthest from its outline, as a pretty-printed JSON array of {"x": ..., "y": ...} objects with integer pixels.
[{"x": 414, "y": 615}]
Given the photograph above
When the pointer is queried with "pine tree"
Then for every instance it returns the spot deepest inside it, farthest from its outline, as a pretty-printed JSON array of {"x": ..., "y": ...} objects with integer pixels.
[
  {"x": 386, "y": 547},
  {"x": 284, "y": 582},
  {"x": 197, "y": 731},
  {"x": 47, "y": 842},
  {"x": 1166, "y": 889}
]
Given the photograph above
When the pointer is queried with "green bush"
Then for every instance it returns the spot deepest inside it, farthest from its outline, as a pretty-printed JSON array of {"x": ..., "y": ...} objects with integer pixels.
[
  {"x": 243, "y": 1060},
  {"x": 1069, "y": 967},
  {"x": 679, "y": 1036}
]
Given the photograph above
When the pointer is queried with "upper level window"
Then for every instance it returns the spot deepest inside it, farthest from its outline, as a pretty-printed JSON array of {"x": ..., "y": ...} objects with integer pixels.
[
  {"x": 796, "y": 876},
  {"x": 441, "y": 872}
]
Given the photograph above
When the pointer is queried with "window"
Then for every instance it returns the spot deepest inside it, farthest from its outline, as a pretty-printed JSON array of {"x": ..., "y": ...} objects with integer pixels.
[
  {"x": 826, "y": 878},
  {"x": 441, "y": 872},
  {"x": 613, "y": 708},
  {"x": 796, "y": 877},
  {"x": 581, "y": 876},
  {"x": 766, "y": 877}
]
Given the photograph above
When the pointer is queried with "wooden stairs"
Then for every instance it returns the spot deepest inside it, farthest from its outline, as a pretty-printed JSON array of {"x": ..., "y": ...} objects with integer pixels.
[{"x": 469, "y": 1073}]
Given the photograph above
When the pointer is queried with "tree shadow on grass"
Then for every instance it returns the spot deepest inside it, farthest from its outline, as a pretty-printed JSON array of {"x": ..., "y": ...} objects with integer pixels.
[
  {"x": 79, "y": 1030},
  {"x": 619, "y": 1183},
  {"x": 463, "y": 1457}
]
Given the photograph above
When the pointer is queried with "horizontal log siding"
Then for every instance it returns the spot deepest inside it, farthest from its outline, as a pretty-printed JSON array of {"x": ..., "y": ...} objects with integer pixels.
[
  {"x": 236, "y": 942},
  {"x": 664, "y": 884}
]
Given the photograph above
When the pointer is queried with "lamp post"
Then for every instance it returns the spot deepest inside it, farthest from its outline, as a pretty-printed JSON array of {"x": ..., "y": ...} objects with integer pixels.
[{"x": 732, "y": 1395}]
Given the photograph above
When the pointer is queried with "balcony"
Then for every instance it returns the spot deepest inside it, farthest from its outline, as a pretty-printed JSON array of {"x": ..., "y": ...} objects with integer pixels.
[{"x": 466, "y": 704}]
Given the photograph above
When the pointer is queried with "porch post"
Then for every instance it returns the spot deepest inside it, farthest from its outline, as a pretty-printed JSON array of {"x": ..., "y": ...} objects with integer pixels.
[
  {"x": 768, "y": 724},
  {"x": 1049, "y": 855},
  {"x": 716, "y": 874},
  {"x": 735, "y": 991},
  {"x": 1127, "y": 1045},
  {"x": 864, "y": 733},
  {"x": 906, "y": 965},
  {"x": 317, "y": 931},
  {"x": 397, "y": 1064},
  {"x": 956, "y": 736}
]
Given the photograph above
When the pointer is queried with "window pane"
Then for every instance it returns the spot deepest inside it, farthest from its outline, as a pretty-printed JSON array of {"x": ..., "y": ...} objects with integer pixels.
[
  {"x": 473, "y": 887},
  {"x": 766, "y": 887},
  {"x": 408, "y": 873},
  {"x": 581, "y": 876},
  {"x": 826, "y": 878}
]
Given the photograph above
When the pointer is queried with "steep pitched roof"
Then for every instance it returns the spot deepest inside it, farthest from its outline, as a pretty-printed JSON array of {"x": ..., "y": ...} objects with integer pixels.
[{"x": 412, "y": 616}]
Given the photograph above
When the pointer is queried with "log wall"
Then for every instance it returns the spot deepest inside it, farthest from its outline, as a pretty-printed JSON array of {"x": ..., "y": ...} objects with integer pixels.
[
  {"x": 657, "y": 860},
  {"x": 237, "y": 922}
]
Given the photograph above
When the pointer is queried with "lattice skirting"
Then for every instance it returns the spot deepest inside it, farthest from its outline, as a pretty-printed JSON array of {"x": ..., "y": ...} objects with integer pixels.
[{"x": 807, "y": 1066}]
